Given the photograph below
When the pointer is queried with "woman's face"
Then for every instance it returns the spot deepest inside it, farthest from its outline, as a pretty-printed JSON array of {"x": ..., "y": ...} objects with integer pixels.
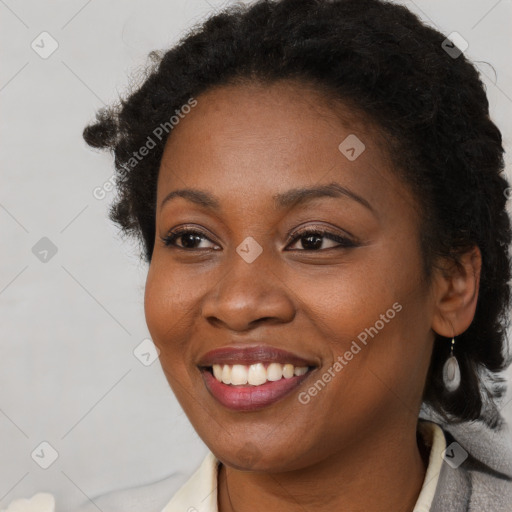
[{"x": 355, "y": 309}]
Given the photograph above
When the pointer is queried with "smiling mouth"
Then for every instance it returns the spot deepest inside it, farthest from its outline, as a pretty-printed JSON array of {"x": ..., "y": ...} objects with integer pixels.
[
  {"x": 255, "y": 374},
  {"x": 251, "y": 387},
  {"x": 251, "y": 377}
]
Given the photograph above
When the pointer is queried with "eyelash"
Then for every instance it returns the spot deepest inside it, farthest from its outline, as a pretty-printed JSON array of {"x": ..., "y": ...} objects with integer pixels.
[{"x": 170, "y": 239}]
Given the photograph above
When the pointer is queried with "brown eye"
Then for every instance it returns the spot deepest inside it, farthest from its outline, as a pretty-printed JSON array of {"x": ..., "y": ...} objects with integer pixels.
[
  {"x": 190, "y": 238},
  {"x": 311, "y": 240}
]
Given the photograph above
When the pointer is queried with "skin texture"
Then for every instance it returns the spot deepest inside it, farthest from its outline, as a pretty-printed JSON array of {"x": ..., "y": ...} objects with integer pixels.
[{"x": 353, "y": 446}]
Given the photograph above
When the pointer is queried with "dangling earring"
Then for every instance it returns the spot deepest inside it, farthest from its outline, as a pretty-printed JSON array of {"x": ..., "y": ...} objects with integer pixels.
[{"x": 451, "y": 371}]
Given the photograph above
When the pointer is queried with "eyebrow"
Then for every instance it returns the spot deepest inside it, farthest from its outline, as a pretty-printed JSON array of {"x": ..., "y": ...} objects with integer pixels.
[{"x": 283, "y": 200}]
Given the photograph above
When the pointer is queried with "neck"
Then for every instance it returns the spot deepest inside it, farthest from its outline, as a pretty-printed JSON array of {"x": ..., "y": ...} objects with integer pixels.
[{"x": 385, "y": 471}]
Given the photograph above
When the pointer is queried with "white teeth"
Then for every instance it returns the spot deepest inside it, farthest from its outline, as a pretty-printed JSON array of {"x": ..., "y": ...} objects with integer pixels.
[
  {"x": 300, "y": 370},
  {"x": 238, "y": 374},
  {"x": 274, "y": 371},
  {"x": 226, "y": 374},
  {"x": 217, "y": 372},
  {"x": 256, "y": 374},
  {"x": 288, "y": 371}
]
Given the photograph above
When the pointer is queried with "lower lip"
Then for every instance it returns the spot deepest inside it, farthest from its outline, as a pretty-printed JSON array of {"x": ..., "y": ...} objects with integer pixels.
[{"x": 250, "y": 398}]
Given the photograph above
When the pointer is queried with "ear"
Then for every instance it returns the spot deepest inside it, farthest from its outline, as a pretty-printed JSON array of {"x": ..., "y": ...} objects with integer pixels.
[{"x": 456, "y": 293}]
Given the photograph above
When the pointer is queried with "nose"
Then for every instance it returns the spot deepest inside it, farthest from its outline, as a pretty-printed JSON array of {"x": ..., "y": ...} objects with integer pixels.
[{"x": 247, "y": 295}]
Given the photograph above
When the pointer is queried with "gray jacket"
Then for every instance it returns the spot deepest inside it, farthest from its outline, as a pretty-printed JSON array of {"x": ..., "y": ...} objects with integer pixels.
[{"x": 481, "y": 483}]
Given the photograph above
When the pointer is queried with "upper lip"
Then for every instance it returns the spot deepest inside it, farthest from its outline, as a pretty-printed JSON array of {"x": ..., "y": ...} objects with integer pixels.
[{"x": 251, "y": 355}]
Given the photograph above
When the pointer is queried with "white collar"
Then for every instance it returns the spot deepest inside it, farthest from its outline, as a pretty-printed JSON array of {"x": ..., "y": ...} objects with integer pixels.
[
  {"x": 199, "y": 492},
  {"x": 433, "y": 436}
]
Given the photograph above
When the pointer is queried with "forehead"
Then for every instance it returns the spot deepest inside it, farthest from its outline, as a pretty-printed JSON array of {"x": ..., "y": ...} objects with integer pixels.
[
  {"x": 284, "y": 112},
  {"x": 250, "y": 140}
]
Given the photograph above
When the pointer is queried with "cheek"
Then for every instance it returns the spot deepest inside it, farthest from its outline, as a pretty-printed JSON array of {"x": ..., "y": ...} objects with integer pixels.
[
  {"x": 165, "y": 307},
  {"x": 168, "y": 324},
  {"x": 154, "y": 309},
  {"x": 354, "y": 296}
]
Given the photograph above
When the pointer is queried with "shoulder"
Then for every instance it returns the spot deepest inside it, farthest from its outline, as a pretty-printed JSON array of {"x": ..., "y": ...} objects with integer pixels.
[
  {"x": 476, "y": 473},
  {"x": 197, "y": 492},
  {"x": 149, "y": 498}
]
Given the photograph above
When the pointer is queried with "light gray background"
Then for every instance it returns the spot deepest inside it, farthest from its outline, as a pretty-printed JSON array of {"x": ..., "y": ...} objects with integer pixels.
[{"x": 68, "y": 374}]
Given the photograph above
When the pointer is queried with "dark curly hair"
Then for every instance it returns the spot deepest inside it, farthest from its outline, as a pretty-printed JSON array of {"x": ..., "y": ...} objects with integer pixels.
[{"x": 430, "y": 105}]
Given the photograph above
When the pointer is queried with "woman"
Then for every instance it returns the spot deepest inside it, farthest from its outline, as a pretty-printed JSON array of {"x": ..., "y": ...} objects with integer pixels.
[{"x": 319, "y": 193}]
